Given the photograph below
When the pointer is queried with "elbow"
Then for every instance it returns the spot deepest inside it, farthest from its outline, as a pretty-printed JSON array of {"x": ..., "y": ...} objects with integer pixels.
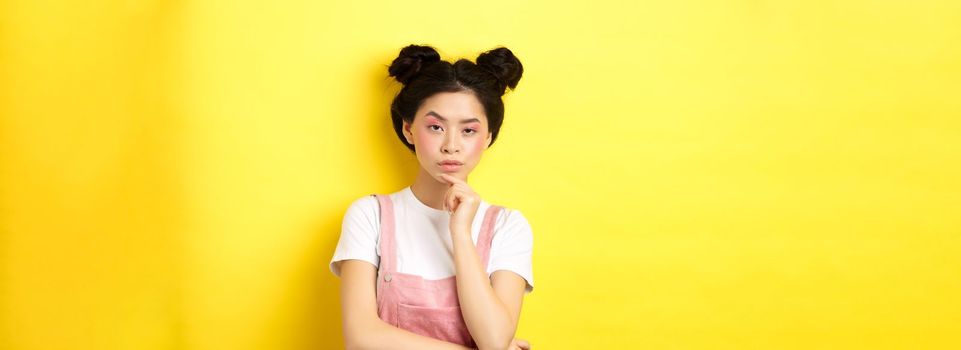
[
  {"x": 504, "y": 346},
  {"x": 496, "y": 338},
  {"x": 495, "y": 341},
  {"x": 354, "y": 346},
  {"x": 498, "y": 347},
  {"x": 352, "y": 342},
  {"x": 356, "y": 343},
  {"x": 357, "y": 336}
]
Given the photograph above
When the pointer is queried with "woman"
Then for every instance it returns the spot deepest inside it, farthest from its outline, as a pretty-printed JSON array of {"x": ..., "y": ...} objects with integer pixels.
[{"x": 433, "y": 266}]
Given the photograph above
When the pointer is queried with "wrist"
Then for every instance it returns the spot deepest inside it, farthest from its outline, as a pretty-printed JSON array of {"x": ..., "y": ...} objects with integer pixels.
[{"x": 459, "y": 232}]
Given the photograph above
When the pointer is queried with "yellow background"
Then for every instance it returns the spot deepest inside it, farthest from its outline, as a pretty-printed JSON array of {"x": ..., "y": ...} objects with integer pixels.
[{"x": 698, "y": 174}]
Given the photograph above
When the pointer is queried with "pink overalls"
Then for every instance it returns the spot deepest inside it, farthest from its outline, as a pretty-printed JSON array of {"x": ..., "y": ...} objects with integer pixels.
[{"x": 422, "y": 306}]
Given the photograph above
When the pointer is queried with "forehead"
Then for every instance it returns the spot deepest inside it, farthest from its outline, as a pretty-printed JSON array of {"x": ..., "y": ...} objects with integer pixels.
[{"x": 453, "y": 106}]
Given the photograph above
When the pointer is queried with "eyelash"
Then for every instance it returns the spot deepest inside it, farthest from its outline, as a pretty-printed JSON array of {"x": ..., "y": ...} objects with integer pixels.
[{"x": 472, "y": 130}]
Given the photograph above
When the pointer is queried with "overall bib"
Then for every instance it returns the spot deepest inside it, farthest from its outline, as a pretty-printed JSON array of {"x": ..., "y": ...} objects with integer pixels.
[{"x": 426, "y": 307}]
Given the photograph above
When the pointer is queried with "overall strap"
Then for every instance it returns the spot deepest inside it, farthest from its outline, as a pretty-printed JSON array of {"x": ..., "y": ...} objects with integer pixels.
[
  {"x": 486, "y": 235},
  {"x": 387, "y": 245}
]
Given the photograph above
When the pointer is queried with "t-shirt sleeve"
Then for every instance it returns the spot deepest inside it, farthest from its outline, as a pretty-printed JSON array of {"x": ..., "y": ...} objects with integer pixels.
[
  {"x": 359, "y": 235},
  {"x": 512, "y": 247}
]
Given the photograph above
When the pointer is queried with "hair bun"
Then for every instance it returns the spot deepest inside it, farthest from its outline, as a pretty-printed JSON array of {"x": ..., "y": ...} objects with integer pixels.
[
  {"x": 410, "y": 61},
  {"x": 504, "y": 65}
]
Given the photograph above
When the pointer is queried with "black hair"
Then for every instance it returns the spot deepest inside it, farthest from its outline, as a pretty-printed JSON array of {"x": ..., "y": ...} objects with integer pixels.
[{"x": 424, "y": 74}]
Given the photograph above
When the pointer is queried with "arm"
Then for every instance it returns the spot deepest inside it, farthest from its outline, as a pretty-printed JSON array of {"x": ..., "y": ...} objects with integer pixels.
[
  {"x": 362, "y": 328},
  {"x": 491, "y": 307}
]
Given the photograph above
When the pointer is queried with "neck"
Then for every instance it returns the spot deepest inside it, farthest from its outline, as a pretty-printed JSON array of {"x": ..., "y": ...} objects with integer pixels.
[{"x": 429, "y": 190}]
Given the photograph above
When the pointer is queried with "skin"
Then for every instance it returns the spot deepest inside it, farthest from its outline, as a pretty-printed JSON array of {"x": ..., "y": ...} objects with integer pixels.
[{"x": 446, "y": 126}]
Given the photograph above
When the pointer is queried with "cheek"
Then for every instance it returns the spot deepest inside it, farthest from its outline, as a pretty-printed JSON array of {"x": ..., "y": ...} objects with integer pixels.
[
  {"x": 424, "y": 138},
  {"x": 477, "y": 146}
]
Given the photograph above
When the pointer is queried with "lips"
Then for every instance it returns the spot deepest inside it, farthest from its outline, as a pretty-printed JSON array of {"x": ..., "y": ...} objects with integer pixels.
[{"x": 450, "y": 165}]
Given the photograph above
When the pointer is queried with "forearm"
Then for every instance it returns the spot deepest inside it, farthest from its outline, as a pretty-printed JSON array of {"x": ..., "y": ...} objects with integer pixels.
[
  {"x": 377, "y": 334},
  {"x": 487, "y": 318}
]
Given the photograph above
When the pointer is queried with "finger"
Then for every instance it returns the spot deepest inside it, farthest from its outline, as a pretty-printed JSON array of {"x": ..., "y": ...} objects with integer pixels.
[
  {"x": 523, "y": 344},
  {"x": 464, "y": 189},
  {"x": 444, "y": 178},
  {"x": 454, "y": 198},
  {"x": 447, "y": 202},
  {"x": 453, "y": 180},
  {"x": 456, "y": 183}
]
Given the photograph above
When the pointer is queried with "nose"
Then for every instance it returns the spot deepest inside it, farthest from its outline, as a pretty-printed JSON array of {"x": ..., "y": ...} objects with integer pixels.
[{"x": 450, "y": 145}]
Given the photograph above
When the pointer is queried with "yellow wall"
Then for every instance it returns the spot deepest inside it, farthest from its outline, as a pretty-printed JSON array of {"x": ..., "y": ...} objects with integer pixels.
[{"x": 698, "y": 174}]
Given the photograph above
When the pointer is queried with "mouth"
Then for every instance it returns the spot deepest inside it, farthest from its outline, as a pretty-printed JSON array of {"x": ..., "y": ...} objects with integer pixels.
[{"x": 450, "y": 165}]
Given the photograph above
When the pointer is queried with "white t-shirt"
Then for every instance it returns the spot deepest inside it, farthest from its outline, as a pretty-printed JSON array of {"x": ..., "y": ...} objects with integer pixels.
[{"x": 423, "y": 241}]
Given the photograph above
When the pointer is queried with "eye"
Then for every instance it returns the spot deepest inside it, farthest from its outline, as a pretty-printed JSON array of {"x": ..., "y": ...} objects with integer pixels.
[
  {"x": 472, "y": 131},
  {"x": 433, "y": 125}
]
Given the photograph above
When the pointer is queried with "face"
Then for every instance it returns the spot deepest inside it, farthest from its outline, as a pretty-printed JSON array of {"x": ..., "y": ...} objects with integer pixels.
[{"x": 449, "y": 126}]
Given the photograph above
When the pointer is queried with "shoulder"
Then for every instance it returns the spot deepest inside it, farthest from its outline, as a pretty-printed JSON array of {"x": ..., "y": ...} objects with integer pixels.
[
  {"x": 512, "y": 246},
  {"x": 509, "y": 215},
  {"x": 365, "y": 209},
  {"x": 359, "y": 234},
  {"x": 513, "y": 222},
  {"x": 364, "y": 203}
]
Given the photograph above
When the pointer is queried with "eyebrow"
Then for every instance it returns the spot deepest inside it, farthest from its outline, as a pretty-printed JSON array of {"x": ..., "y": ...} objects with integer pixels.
[{"x": 445, "y": 119}]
